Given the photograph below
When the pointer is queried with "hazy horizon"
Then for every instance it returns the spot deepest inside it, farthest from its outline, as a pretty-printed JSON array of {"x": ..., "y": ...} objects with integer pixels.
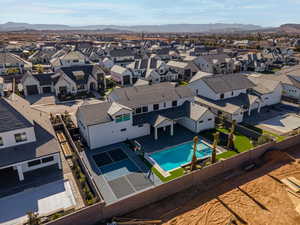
[{"x": 267, "y": 13}]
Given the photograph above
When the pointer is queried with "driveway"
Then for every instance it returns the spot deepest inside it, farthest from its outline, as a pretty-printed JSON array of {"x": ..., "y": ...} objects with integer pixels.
[{"x": 45, "y": 200}]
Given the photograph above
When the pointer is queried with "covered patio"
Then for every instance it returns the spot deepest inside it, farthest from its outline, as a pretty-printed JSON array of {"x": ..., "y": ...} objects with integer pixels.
[
  {"x": 165, "y": 140},
  {"x": 164, "y": 123}
]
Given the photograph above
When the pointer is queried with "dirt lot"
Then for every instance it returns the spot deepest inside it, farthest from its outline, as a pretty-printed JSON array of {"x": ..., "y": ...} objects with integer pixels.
[{"x": 256, "y": 197}]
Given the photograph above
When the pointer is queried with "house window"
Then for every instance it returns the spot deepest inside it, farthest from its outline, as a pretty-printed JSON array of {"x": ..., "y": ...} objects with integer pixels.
[
  {"x": 156, "y": 107},
  {"x": 232, "y": 93},
  {"x": 122, "y": 118},
  {"x": 221, "y": 96},
  {"x": 145, "y": 109},
  {"x": 201, "y": 121},
  {"x": 34, "y": 163},
  {"x": 48, "y": 159},
  {"x": 1, "y": 141},
  {"x": 75, "y": 61},
  {"x": 119, "y": 118},
  {"x": 210, "y": 119},
  {"x": 140, "y": 125},
  {"x": 138, "y": 110},
  {"x": 124, "y": 129},
  {"x": 20, "y": 137},
  {"x": 174, "y": 103},
  {"x": 80, "y": 86}
]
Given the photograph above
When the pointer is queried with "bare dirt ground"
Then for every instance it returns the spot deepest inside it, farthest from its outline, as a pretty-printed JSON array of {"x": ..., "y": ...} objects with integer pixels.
[{"x": 255, "y": 198}]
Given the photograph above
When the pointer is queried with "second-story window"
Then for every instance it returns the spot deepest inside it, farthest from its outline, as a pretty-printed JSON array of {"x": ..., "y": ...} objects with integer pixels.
[
  {"x": 156, "y": 107},
  {"x": 221, "y": 96},
  {"x": 20, "y": 137},
  {"x": 174, "y": 103},
  {"x": 138, "y": 110},
  {"x": 145, "y": 109},
  {"x": 1, "y": 141},
  {"x": 122, "y": 118}
]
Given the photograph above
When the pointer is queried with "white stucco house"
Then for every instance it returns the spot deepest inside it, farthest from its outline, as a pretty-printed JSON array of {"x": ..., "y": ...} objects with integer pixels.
[
  {"x": 121, "y": 75},
  {"x": 27, "y": 139},
  {"x": 233, "y": 95},
  {"x": 289, "y": 79},
  {"x": 138, "y": 111}
]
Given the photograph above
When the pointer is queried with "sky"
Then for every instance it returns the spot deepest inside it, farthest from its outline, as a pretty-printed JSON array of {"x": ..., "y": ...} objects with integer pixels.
[{"x": 150, "y": 12}]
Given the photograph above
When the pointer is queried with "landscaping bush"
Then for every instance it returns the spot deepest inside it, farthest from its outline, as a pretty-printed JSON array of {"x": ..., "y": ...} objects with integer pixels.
[{"x": 263, "y": 139}]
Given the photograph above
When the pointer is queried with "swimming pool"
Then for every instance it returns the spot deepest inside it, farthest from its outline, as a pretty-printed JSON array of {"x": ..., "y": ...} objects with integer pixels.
[{"x": 172, "y": 158}]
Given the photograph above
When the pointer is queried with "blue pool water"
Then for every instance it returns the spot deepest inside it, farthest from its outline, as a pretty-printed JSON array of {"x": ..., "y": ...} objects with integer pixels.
[{"x": 178, "y": 155}]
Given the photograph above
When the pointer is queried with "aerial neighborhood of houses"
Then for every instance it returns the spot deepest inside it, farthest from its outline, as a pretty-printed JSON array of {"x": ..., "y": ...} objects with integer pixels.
[{"x": 89, "y": 120}]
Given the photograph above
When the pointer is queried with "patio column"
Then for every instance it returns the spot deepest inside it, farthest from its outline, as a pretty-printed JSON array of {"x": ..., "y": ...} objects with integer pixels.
[
  {"x": 155, "y": 133},
  {"x": 59, "y": 163},
  {"x": 259, "y": 107},
  {"x": 249, "y": 111},
  {"x": 20, "y": 172},
  {"x": 172, "y": 129}
]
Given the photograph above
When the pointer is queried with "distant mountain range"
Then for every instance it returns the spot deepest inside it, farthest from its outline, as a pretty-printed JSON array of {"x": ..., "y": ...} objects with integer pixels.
[
  {"x": 290, "y": 28},
  {"x": 216, "y": 27}
]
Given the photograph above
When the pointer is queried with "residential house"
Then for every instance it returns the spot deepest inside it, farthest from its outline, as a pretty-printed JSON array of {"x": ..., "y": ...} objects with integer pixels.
[
  {"x": 216, "y": 63},
  {"x": 289, "y": 79},
  {"x": 138, "y": 111},
  {"x": 12, "y": 64},
  {"x": 121, "y": 57},
  {"x": 34, "y": 84},
  {"x": 66, "y": 80},
  {"x": 230, "y": 95},
  {"x": 121, "y": 75},
  {"x": 27, "y": 140},
  {"x": 185, "y": 70},
  {"x": 72, "y": 58}
]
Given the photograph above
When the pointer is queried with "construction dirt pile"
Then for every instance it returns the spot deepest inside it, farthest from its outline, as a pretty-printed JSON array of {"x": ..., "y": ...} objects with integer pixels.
[{"x": 257, "y": 197}]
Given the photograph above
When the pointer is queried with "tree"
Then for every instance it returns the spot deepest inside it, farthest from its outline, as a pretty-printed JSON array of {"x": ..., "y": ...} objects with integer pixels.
[
  {"x": 33, "y": 218},
  {"x": 194, "y": 158},
  {"x": 230, "y": 143},
  {"x": 214, "y": 150}
]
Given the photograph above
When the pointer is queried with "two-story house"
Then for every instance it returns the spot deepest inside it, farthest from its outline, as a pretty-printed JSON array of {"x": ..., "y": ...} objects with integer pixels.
[
  {"x": 27, "y": 140},
  {"x": 138, "y": 111},
  {"x": 121, "y": 57},
  {"x": 66, "y": 80},
  {"x": 230, "y": 95},
  {"x": 185, "y": 70},
  {"x": 216, "y": 63},
  {"x": 72, "y": 58}
]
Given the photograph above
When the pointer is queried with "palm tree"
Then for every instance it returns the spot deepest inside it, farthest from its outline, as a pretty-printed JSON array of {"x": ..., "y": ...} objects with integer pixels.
[
  {"x": 214, "y": 150},
  {"x": 194, "y": 158},
  {"x": 231, "y": 135}
]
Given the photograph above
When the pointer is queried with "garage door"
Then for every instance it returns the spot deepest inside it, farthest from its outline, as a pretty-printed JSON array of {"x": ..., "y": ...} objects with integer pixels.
[
  {"x": 32, "y": 90},
  {"x": 46, "y": 90}
]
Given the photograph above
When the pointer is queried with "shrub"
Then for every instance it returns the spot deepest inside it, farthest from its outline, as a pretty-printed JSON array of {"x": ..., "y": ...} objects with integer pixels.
[{"x": 262, "y": 140}]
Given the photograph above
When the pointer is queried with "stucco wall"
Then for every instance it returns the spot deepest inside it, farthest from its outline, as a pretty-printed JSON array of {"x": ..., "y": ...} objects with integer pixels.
[{"x": 9, "y": 137}]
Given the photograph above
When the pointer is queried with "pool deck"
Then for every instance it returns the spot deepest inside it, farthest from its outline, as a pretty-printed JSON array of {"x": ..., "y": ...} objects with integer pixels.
[
  {"x": 106, "y": 188},
  {"x": 165, "y": 140},
  {"x": 149, "y": 145}
]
